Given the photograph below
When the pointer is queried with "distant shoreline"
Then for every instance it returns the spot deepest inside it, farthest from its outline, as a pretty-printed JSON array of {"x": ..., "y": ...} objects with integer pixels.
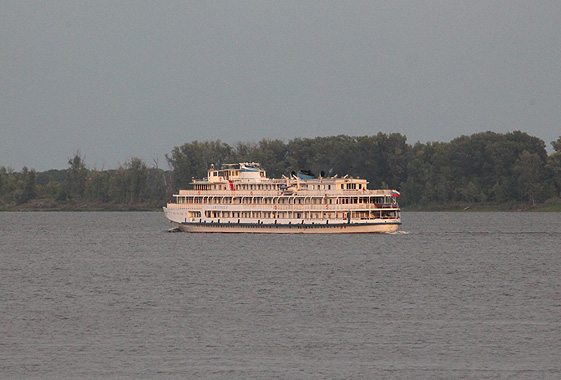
[
  {"x": 52, "y": 206},
  {"x": 552, "y": 206}
]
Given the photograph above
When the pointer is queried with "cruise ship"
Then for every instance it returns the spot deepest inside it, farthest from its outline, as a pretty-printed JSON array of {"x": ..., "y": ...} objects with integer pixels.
[{"x": 239, "y": 198}]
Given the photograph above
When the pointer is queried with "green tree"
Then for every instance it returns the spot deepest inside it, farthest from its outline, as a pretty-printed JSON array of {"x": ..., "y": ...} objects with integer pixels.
[
  {"x": 529, "y": 169},
  {"x": 77, "y": 175},
  {"x": 192, "y": 160},
  {"x": 272, "y": 154},
  {"x": 554, "y": 166},
  {"x": 136, "y": 174},
  {"x": 27, "y": 188},
  {"x": 98, "y": 186},
  {"x": 119, "y": 186},
  {"x": 156, "y": 189},
  {"x": 3, "y": 179}
]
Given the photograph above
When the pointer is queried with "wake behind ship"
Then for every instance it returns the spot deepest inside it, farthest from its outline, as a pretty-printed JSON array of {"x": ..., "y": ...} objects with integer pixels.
[{"x": 240, "y": 198}]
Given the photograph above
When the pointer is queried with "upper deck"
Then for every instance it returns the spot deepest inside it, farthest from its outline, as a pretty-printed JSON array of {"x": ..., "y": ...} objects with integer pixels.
[{"x": 249, "y": 179}]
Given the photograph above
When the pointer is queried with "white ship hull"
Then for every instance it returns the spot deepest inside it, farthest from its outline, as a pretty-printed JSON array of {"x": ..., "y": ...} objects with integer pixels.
[
  {"x": 284, "y": 227},
  {"x": 288, "y": 229}
]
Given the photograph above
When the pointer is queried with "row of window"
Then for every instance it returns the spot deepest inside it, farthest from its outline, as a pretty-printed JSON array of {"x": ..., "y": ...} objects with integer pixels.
[
  {"x": 241, "y": 187},
  {"x": 283, "y": 200},
  {"x": 299, "y": 215},
  {"x": 264, "y": 187}
]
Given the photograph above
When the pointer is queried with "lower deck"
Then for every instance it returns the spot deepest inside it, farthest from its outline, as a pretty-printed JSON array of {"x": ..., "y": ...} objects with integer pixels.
[
  {"x": 296, "y": 221},
  {"x": 185, "y": 215}
]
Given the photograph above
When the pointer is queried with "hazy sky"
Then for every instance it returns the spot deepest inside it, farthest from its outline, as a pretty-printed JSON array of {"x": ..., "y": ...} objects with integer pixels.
[{"x": 117, "y": 79}]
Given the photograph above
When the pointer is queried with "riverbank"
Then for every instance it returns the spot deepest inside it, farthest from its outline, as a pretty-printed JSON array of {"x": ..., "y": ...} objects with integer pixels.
[
  {"x": 51, "y": 205},
  {"x": 549, "y": 206}
]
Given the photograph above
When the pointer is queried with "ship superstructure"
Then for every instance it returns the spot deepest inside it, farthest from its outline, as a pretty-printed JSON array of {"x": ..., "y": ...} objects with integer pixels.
[{"x": 240, "y": 198}]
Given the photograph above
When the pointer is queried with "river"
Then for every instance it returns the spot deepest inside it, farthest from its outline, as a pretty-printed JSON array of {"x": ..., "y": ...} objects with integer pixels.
[{"x": 103, "y": 295}]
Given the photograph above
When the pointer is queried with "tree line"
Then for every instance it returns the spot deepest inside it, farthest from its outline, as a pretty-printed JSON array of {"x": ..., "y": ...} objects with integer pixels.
[
  {"x": 484, "y": 168},
  {"x": 132, "y": 184}
]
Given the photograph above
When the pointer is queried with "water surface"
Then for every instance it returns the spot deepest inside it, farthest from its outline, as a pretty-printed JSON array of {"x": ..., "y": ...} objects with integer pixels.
[{"x": 114, "y": 296}]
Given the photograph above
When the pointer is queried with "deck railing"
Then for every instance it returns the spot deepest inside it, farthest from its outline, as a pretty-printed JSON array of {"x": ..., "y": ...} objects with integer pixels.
[
  {"x": 298, "y": 193},
  {"x": 283, "y": 207}
]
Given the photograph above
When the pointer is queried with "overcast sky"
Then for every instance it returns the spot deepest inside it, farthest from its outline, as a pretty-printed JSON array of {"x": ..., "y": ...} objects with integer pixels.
[{"x": 117, "y": 79}]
